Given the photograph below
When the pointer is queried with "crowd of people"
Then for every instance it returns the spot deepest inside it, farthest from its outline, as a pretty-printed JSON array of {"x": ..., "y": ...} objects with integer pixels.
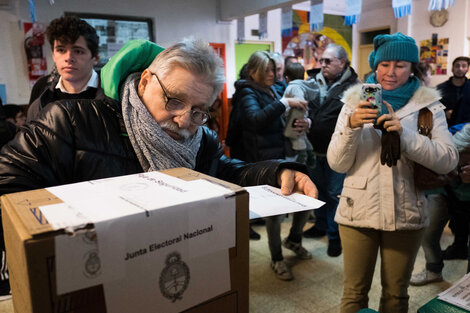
[{"x": 148, "y": 109}]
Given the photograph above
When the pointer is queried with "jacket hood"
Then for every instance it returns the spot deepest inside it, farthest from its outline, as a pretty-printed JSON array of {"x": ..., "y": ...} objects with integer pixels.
[
  {"x": 427, "y": 95},
  {"x": 134, "y": 56}
]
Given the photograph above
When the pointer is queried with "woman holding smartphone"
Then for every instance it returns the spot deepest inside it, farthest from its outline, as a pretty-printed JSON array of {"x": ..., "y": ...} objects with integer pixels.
[{"x": 380, "y": 209}]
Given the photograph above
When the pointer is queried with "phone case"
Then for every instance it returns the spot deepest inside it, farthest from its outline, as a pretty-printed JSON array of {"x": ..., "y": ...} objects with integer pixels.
[{"x": 373, "y": 94}]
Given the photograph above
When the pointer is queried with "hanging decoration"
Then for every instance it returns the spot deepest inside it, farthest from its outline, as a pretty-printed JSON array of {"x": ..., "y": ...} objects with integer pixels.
[
  {"x": 401, "y": 8},
  {"x": 32, "y": 10},
  {"x": 437, "y": 5},
  {"x": 263, "y": 25},
  {"x": 241, "y": 30},
  {"x": 316, "y": 15},
  {"x": 286, "y": 22},
  {"x": 353, "y": 12}
]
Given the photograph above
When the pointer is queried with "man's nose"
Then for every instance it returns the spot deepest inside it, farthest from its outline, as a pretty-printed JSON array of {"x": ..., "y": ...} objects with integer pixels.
[
  {"x": 183, "y": 120},
  {"x": 68, "y": 56}
]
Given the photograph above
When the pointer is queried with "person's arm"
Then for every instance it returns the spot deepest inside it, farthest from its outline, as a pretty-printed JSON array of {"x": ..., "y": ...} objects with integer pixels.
[
  {"x": 437, "y": 154},
  {"x": 40, "y": 155}
]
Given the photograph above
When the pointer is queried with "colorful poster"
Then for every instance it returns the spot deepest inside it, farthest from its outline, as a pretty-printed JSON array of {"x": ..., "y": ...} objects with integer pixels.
[
  {"x": 435, "y": 55},
  {"x": 307, "y": 45},
  {"x": 34, "y": 47}
]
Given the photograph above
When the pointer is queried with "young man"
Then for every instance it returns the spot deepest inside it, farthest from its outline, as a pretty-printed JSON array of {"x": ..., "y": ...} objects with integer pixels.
[
  {"x": 74, "y": 45},
  {"x": 456, "y": 93}
]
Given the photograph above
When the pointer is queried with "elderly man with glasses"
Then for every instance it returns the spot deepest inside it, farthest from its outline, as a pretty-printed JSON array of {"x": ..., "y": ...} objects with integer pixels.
[
  {"x": 335, "y": 77},
  {"x": 150, "y": 119}
]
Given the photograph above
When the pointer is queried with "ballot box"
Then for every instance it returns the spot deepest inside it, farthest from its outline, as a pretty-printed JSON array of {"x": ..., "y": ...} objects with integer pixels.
[{"x": 170, "y": 241}]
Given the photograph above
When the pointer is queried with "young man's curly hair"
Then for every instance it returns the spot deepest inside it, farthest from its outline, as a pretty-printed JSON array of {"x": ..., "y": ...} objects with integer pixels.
[{"x": 67, "y": 29}]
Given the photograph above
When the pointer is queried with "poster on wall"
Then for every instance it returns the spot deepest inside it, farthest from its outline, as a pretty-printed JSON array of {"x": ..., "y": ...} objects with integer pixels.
[
  {"x": 115, "y": 30},
  {"x": 34, "y": 48},
  {"x": 435, "y": 54},
  {"x": 308, "y": 46}
]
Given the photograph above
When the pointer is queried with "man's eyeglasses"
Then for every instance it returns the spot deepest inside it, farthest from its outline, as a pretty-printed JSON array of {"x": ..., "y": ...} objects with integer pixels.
[
  {"x": 327, "y": 61},
  {"x": 176, "y": 107}
]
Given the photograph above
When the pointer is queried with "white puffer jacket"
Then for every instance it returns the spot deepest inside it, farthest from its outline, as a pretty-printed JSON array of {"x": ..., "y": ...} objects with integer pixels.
[{"x": 377, "y": 196}]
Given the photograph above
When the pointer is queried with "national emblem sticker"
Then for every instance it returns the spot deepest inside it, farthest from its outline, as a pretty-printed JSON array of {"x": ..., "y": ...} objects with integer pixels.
[
  {"x": 174, "y": 278},
  {"x": 92, "y": 264}
]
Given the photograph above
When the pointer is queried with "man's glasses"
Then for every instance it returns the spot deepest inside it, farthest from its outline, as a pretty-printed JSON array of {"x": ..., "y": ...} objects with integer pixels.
[
  {"x": 176, "y": 107},
  {"x": 327, "y": 61}
]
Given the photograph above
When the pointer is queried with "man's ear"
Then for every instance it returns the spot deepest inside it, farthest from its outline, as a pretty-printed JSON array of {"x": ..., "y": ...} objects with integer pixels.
[
  {"x": 96, "y": 59},
  {"x": 144, "y": 80}
]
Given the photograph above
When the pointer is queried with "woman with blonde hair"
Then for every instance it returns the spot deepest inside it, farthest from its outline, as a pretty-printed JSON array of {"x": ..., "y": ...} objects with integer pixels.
[{"x": 255, "y": 133}]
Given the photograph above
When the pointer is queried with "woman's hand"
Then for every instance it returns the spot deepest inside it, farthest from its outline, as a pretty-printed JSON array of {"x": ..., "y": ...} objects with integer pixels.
[
  {"x": 390, "y": 121},
  {"x": 363, "y": 114},
  {"x": 301, "y": 126},
  {"x": 297, "y": 103}
]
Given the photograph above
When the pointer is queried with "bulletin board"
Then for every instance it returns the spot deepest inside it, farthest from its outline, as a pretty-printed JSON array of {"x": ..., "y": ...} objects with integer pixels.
[
  {"x": 435, "y": 54},
  {"x": 115, "y": 30}
]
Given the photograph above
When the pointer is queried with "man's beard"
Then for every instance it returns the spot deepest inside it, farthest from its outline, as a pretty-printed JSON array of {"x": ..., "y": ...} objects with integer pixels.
[
  {"x": 169, "y": 125},
  {"x": 460, "y": 76}
]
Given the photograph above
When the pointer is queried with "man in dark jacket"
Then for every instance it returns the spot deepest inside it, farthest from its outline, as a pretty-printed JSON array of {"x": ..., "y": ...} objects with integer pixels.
[
  {"x": 74, "y": 45},
  {"x": 335, "y": 77},
  {"x": 455, "y": 93},
  {"x": 150, "y": 120}
]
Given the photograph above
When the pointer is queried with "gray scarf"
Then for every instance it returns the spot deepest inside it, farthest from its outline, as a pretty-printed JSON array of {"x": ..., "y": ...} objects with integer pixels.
[{"x": 155, "y": 149}]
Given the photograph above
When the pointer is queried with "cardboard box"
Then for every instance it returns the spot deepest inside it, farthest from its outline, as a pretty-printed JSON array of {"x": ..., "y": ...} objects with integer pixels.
[{"x": 30, "y": 250}]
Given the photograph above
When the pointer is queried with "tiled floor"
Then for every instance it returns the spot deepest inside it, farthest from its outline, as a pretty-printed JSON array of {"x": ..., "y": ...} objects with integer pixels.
[
  {"x": 318, "y": 283},
  {"x": 317, "y": 286}
]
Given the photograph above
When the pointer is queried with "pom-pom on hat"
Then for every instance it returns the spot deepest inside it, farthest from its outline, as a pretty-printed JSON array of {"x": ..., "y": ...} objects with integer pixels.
[{"x": 393, "y": 48}]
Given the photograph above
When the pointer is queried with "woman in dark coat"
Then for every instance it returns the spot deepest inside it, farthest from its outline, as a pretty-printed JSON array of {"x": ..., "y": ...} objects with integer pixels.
[{"x": 255, "y": 134}]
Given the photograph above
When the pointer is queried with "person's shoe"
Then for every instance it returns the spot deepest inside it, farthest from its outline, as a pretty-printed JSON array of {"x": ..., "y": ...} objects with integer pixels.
[
  {"x": 425, "y": 277},
  {"x": 5, "y": 292},
  {"x": 281, "y": 270},
  {"x": 254, "y": 235},
  {"x": 334, "y": 248},
  {"x": 297, "y": 248},
  {"x": 454, "y": 252},
  {"x": 314, "y": 232}
]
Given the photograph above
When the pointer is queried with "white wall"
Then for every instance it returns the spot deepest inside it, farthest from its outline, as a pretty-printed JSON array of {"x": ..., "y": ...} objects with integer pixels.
[
  {"x": 173, "y": 20},
  {"x": 455, "y": 29}
]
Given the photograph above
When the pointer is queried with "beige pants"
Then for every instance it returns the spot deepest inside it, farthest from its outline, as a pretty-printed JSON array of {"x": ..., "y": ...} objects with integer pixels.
[{"x": 398, "y": 250}]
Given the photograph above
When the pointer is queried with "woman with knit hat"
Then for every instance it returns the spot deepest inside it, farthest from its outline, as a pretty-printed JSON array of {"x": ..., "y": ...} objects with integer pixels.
[{"x": 380, "y": 209}]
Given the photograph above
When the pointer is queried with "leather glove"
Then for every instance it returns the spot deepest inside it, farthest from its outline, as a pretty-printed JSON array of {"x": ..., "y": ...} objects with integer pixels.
[{"x": 390, "y": 142}]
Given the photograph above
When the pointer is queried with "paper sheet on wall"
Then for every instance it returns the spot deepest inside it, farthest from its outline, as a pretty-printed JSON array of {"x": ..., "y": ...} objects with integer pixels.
[{"x": 269, "y": 201}]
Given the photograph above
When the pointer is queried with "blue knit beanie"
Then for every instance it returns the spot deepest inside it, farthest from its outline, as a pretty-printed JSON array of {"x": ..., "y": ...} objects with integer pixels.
[{"x": 393, "y": 47}]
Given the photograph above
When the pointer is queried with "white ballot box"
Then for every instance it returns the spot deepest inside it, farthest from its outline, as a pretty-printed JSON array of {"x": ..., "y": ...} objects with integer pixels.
[{"x": 169, "y": 241}]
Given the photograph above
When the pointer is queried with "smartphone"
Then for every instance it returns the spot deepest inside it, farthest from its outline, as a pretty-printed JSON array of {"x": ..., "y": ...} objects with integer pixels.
[{"x": 373, "y": 94}]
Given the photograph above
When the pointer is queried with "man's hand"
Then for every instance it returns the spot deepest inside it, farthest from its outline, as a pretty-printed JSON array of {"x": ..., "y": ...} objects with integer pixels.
[
  {"x": 465, "y": 174},
  {"x": 293, "y": 181},
  {"x": 301, "y": 126}
]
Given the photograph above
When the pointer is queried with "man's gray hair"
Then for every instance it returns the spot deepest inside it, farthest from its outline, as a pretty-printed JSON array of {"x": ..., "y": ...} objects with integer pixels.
[
  {"x": 277, "y": 57},
  {"x": 195, "y": 56},
  {"x": 339, "y": 52}
]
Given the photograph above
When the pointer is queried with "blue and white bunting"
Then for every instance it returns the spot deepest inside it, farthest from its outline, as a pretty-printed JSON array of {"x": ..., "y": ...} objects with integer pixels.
[
  {"x": 436, "y": 5},
  {"x": 316, "y": 15},
  {"x": 263, "y": 25},
  {"x": 353, "y": 12},
  {"x": 401, "y": 8},
  {"x": 32, "y": 10},
  {"x": 241, "y": 30},
  {"x": 286, "y": 21}
]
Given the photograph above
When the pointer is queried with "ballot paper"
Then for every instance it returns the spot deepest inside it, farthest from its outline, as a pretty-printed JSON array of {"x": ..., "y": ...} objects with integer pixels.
[
  {"x": 151, "y": 226},
  {"x": 458, "y": 294},
  {"x": 268, "y": 201}
]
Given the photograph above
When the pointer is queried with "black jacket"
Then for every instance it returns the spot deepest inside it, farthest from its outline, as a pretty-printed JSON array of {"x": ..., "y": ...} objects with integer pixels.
[
  {"x": 78, "y": 140},
  {"x": 456, "y": 99},
  {"x": 324, "y": 115},
  {"x": 256, "y": 124},
  {"x": 45, "y": 86}
]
